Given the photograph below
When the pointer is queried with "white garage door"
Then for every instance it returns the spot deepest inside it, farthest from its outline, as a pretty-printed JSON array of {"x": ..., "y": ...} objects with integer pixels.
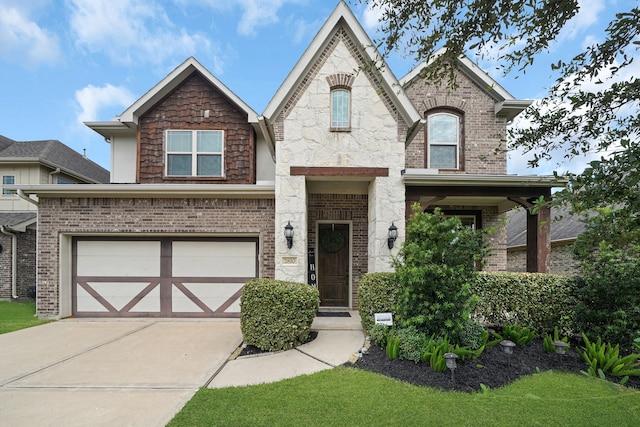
[{"x": 161, "y": 277}]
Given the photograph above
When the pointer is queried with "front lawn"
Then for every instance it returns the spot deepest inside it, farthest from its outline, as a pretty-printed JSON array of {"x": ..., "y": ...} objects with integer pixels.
[
  {"x": 348, "y": 397},
  {"x": 18, "y": 315}
]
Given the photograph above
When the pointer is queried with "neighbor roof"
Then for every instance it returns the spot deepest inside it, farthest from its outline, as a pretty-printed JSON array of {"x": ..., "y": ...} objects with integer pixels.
[
  {"x": 564, "y": 226},
  {"x": 54, "y": 154}
]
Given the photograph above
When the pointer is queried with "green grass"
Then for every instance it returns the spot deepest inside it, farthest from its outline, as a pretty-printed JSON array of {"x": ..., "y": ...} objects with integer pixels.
[
  {"x": 18, "y": 315},
  {"x": 350, "y": 397}
]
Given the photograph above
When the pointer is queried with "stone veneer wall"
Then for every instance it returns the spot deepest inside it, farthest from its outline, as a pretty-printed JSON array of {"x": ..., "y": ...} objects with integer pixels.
[
  {"x": 128, "y": 216},
  {"x": 561, "y": 257},
  {"x": 184, "y": 109},
  {"x": 343, "y": 208},
  {"x": 483, "y": 131}
]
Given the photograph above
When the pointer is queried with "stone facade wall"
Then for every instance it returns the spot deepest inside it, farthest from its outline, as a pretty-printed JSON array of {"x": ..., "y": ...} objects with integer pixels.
[
  {"x": 561, "y": 258},
  {"x": 483, "y": 131},
  {"x": 304, "y": 138},
  {"x": 202, "y": 217},
  {"x": 184, "y": 109},
  {"x": 344, "y": 208}
]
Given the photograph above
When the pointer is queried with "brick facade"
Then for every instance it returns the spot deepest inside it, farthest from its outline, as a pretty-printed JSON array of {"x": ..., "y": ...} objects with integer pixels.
[
  {"x": 26, "y": 263},
  {"x": 561, "y": 260},
  {"x": 127, "y": 216},
  {"x": 483, "y": 130},
  {"x": 185, "y": 109},
  {"x": 344, "y": 208}
]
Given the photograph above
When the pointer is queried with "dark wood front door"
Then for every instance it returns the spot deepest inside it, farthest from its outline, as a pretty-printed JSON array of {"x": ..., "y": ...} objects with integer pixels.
[{"x": 333, "y": 264}]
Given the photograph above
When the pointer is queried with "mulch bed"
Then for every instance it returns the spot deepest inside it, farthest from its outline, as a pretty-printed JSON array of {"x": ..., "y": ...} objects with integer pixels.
[{"x": 491, "y": 368}]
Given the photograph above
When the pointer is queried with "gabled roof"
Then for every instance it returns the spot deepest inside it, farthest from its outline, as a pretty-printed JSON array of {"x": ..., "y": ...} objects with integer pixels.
[
  {"x": 506, "y": 105},
  {"x": 53, "y": 154},
  {"x": 127, "y": 122},
  {"x": 341, "y": 16}
]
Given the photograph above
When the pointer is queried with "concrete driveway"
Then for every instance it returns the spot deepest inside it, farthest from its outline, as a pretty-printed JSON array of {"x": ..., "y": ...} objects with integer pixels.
[{"x": 109, "y": 372}]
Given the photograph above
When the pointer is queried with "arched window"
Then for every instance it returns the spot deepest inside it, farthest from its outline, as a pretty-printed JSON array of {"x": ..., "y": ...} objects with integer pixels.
[
  {"x": 444, "y": 140},
  {"x": 340, "y": 109}
]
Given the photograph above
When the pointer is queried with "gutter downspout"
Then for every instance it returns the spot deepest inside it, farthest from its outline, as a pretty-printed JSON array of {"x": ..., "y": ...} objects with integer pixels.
[
  {"x": 55, "y": 172},
  {"x": 23, "y": 196},
  {"x": 14, "y": 260}
]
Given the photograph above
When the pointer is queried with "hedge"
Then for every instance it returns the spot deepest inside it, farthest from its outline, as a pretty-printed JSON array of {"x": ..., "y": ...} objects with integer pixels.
[
  {"x": 277, "y": 315},
  {"x": 537, "y": 301},
  {"x": 377, "y": 293}
]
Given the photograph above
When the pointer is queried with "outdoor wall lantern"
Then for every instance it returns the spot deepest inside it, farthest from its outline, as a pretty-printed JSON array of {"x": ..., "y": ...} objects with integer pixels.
[
  {"x": 393, "y": 235},
  {"x": 507, "y": 348},
  {"x": 450, "y": 359},
  {"x": 288, "y": 234}
]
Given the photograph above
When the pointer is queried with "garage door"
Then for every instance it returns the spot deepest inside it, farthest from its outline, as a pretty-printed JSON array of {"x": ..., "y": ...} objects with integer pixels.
[{"x": 161, "y": 277}]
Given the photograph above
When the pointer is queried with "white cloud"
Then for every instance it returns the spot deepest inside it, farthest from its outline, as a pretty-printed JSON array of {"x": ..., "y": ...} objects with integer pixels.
[
  {"x": 588, "y": 13},
  {"x": 93, "y": 99},
  {"x": 371, "y": 17},
  {"x": 129, "y": 31},
  {"x": 24, "y": 41}
]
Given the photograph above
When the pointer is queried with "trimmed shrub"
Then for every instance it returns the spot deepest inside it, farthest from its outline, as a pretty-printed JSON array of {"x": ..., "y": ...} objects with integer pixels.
[
  {"x": 377, "y": 293},
  {"x": 536, "y": 301},
  {"x": 277, "y": 315}
]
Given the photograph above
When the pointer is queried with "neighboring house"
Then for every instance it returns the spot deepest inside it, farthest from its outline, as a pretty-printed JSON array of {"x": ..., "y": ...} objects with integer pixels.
[
  {"x": 27, "y": 163},
  {"x": 565, "y": 229},
  {"x": 203, "y": 189}
]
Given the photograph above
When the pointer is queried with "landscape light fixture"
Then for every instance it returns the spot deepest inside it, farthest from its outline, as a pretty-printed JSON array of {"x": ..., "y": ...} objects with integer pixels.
[
  {"x": 561, "y": 348},
  {"x": 507, "y": 348},
  {"x": 450, "y": 359},
  {"x": 393, "y": 235},
  {"x": 288, "y": 234}
]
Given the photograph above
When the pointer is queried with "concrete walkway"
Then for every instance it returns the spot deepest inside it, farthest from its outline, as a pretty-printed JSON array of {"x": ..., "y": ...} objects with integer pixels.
[{"x": 141, "y": 372}]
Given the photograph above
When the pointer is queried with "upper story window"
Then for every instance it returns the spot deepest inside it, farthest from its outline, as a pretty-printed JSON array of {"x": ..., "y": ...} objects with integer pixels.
[
  {"x": 7, "y": 180},
  {"x": 194, "y": 152},
  {"x": 340, "y": 85},
  {"x": 444, "y": 139},
  {"x": 340, "y": 109},
  {"x": 63, "y": 180}
]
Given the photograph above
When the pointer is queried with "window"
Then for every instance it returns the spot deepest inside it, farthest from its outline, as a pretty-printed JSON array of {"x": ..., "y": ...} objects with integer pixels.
[
  {"x": 443, "y": 136},
  {"x": 194, "y": 153},
  {"x": 7, "y": 180},
  {"x": 340, "y": 114},
  {"x": 63, "y": 180}
]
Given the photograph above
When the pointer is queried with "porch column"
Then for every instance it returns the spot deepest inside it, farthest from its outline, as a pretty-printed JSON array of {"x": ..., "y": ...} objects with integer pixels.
[{"x": 538, "y": 240}]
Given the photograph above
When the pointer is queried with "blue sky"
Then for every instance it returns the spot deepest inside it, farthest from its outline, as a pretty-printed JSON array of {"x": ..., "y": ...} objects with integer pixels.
[{"x": 63, "y": 62}]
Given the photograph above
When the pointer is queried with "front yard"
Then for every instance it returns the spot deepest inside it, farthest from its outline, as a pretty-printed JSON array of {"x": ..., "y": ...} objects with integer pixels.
[{"x": 18, "y": 315}]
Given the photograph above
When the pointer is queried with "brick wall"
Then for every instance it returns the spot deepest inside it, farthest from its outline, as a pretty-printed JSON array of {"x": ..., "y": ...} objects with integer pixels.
[
  {"x": 483, "y": 131},
  {"x": 150, "y": 216},
  {"x": 26, "y": 263},
  {"x": 562, "y": 261},
  {"x": 344, "y": 208},
  {"x": 184, "y": 109}
]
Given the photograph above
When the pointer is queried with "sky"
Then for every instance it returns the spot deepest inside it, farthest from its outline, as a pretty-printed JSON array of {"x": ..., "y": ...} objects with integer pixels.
[{"x": 64, "y": 62}]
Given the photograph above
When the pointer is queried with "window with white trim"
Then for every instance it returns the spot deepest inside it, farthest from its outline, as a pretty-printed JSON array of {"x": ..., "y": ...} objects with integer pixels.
[
  {"x": 194, "y": 153},
  {"x": 7, "y": 180},
  {"x": 340, "y": 109},
  {"x": 443, "y": 139}
]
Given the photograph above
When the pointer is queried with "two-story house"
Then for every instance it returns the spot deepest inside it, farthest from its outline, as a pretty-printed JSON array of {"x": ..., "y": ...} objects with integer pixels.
[
  {"x": 25, "y": 163},
  {"x": 205, "y": 193}
]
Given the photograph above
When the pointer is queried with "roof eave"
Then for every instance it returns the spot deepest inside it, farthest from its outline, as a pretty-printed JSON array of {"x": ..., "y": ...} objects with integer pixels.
[
  {"x": 258, "y": 191},
  {"x": 423, "y": 177}
]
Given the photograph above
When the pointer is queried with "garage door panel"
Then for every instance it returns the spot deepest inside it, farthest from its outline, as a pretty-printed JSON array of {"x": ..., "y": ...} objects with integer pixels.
[
  {"x": 118, "y": 258},
  {"x": 214, "y": 259},
  {"x": 162, "y": 277}
]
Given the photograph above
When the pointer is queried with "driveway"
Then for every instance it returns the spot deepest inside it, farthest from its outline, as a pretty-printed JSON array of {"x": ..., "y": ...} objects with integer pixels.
[{"x": 109, "y": 372}]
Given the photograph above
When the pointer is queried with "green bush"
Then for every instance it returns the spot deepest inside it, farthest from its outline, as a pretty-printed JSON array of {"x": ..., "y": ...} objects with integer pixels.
[
  {"x": 277, "y": 315},
  {"x": 435, "y": 267},
  {"x": 377, "y": 293},
  {"x": 536, "y": 301}
]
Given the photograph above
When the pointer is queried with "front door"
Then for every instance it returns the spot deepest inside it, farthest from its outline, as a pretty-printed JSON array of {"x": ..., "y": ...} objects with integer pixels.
[{"x": 333, "y": 264}]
